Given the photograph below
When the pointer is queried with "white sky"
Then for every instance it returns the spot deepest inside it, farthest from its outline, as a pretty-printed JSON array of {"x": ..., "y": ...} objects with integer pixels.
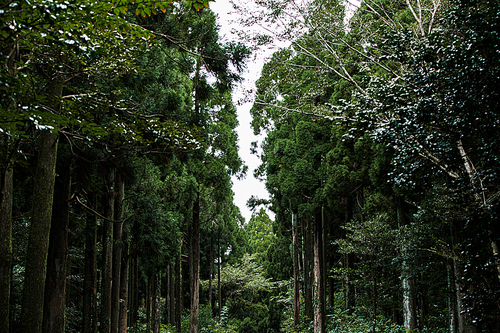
[{"x": 245, "y": 188}]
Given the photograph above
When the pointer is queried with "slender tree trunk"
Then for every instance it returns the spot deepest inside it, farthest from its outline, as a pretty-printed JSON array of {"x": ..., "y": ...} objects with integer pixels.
[
  {"x": 464, "y": 321},
  {"x": 331, "y": 262},
  {"x": 178, "y": 289},
  {"x": 210, "y": 275},
  {"x": 323, "y": 262},
  {"x": 296, "y": 272},
  {"x": 452, "y": 306},
  {"x": 171, "y": 288},
  {"x": 55, "y": 283},
  {"x": 124, "y": 276},
  {"x": 348, "y": 264},
  {"x": 147, "y": 303},
  {"x": 90, "y": 274},
  {"x": 308, "y": 270},
  {"x": 219, "y": 263},
  {"x": 117, "y": 252},
  {"x": 409, "y": 298},
  {"x": 6, "y": 191},
  {"x": 195, "y": 277},
  {"x": 133, "y": 303},
  {"x": 156, "y": 303},
  {"x": 319, "y": 311},
  {"x": 107, "y": 251}
]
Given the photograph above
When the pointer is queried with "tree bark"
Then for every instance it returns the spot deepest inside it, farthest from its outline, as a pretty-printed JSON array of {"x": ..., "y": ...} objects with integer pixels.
[
  {"x": 55, "y": 284},
  {"x": 156, "y": 303},
  {"x": 178, "y": 289},
  {"x": 409, "y": 298},
  {"x": 452, "y": 306},
  {"x": 308, "y": 268},
  {"x": 319, "y": 305},
  {"x": 124, "y": 275},
  {"x": 38, "y": 243},
  {"x": 107, "y": 251},
  {"x": 210, "y": 275},
  {"x": 195, "y": 277},
  {"x": 5, "y": 245},
  {"x": 90, "y": 274},
  {"x": 117, "y": 252},
  {"x": 133, "y": 304},
  {"x": 350, "y": 300},
  {"x": 296, "y": 272},
  {"x": 171, "y": 288},
  {"x": 219, "y": 263},
  {"x": 147, "y": 303},
  {"x": 463, "y": 319}
]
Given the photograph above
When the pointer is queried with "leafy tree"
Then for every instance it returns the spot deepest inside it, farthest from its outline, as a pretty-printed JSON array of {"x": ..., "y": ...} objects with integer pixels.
[{"x": 260, "y": 234}]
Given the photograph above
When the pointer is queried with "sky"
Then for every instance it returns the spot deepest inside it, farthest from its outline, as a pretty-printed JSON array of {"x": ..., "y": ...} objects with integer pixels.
[{"x": 245, "y": 188}]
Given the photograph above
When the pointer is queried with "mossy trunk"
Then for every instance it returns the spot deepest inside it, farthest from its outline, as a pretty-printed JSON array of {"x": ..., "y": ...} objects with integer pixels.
[
  {"x": 38, "y": 243},
  {"x": 55, "y": 285},
  {"x": 5, "y": 245}
]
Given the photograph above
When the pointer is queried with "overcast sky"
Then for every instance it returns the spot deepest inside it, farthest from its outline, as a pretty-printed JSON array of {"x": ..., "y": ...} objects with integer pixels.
[{"x": 249, "y": 186}]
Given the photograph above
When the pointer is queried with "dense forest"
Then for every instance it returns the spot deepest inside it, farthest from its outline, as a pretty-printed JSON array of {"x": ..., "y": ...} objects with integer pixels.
[{"x": 118, "y": 145}]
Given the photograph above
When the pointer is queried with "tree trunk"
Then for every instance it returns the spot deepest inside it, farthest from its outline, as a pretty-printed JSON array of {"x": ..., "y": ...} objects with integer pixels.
[
  {"x": 319, "y": 305},
  {"x": 133, "y": 304},
  {"x": 147, "y": 303},
  {"x": 117, "y": 252},
  {"x": 156, "y": 303},
  {"x": 219, "y": 263},
  {"x": 5, "y": 245},
  {"x": 308, "y": 268},
  {"x": 38, "y": 243},
  {"x": 171, "y": 288},
  {"x": 452, "y": 306},
  {"x": 124, "y": 275},
  {"x": 210, "y": 275},
  {"x": 296, "y": 272},
  {"x": 323, "y": 262},
  {"x": 55, "y": 284},
  {"x": 464, "y": 321},
  {"x": 350, "y": 302},
  {"x": 107, "y": 251},
  {"x": 178, "y": 289},
  {"x": 409, "y": 298},
  {"x": 195, "y": 277},
  {"x": 90, "y": 274}
]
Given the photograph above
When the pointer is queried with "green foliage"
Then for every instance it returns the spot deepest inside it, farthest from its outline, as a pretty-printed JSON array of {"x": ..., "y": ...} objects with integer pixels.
[{"x": 259, "y": 232}]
